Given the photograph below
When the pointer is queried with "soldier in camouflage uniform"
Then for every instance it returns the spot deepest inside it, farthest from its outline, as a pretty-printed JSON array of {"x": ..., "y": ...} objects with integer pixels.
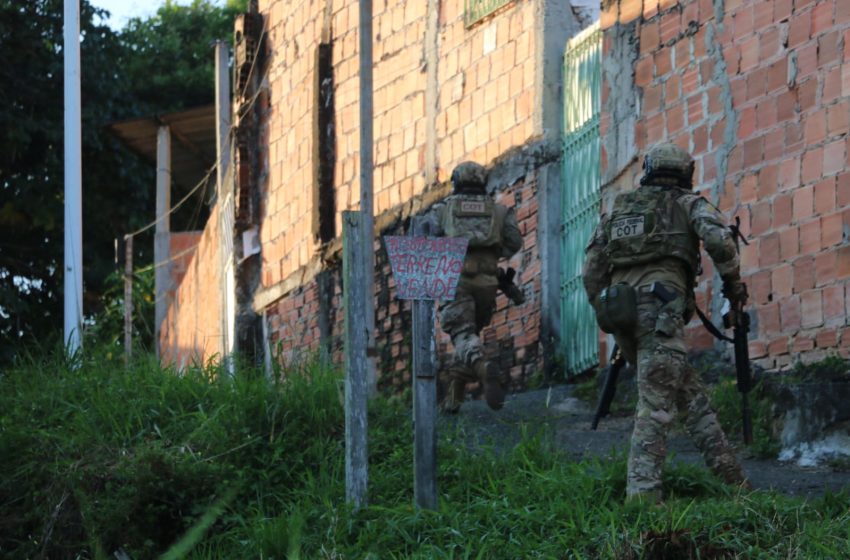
[
  {"x": 648, "y": 248},
  {"x": 493, "y": 234}
]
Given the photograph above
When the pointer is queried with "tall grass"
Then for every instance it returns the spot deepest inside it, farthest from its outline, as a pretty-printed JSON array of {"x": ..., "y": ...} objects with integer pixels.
[{"x": 148, "y": 463}]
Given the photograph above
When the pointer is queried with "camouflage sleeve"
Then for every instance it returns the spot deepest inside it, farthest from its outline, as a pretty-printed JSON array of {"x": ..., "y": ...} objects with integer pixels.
[
  {"x": 717, "y": 238},
  {"x": 511, "y": 235},
  {"x": 596, "y": 272}
]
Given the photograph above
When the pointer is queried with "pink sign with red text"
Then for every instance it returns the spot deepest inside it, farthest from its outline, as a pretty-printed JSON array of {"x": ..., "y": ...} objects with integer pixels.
[{"x": 426, "y": 267}]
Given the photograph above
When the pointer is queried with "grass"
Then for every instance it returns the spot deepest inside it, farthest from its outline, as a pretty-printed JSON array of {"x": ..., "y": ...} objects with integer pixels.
[{"x": 142, "y": 461}]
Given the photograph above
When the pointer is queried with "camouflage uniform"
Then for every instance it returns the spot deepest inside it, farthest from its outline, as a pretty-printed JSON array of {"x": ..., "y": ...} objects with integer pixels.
[
  {"x": 493, "y": 234},
  {"x": 652, "y": 236}
]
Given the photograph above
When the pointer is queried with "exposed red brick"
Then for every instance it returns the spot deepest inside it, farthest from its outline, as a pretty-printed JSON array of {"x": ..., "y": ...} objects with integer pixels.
[
  {"x": 828, "y": 48},
  {"x": 807, "y": 92},
  {"x": 804, "y": 274},
  {"x": 649, "y": 36},
  {"x": 781, "y": 10},
  {"x": 756, "y": 83},
  {"x": 768, "y": 319},
  {"x": 782, "y": 281},
  {"x": 843, "y": 189},
  {"x": 834, "y": 159},
  {"x": 810, "y": 237},
  {"x": 799, "y": 29},
  {"x": 827, "y": 338},
  {"x": 786, "y": 105},
  {"x": 822, "y": 16},
  {"x": 768, "y": 250},
  {"x": 815, "y": 127},
  {"x": 811, "y": 306},
  {"x": 838, "y": 118},
  {"x": 803, "y": 343},
  {"x": 825, "y": 196},
  {"x": 832, "y": 230},
  {"x": 803, "y": 202},
  {"x": 831, "y": 85},
  {"x": 760, "y": 215},
  {"x": 781, "y": 213},
  {"x": 833, "y": 304},
  {"x": 663, "y": 63},
  {"x": 844, "y": 262},
  {"x": 789, "y": 313},
  {"x": 789, "y": 173},
  {"x": 778, "y": 346},
  {"x": 826, "y": 267},
  {"x": 794, "y": 140}
]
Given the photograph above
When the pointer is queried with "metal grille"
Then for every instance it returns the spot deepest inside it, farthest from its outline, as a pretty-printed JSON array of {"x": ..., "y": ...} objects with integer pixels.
[{"x": 580, "y": 195}]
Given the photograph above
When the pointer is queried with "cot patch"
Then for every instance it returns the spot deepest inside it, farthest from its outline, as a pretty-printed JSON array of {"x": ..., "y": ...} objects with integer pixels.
[
  {"x": 473, "y": 208},
  {"x": 630, "y": 226}
]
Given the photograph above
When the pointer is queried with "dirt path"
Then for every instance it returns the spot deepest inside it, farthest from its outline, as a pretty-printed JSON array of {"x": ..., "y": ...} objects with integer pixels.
[{"x": 569, "y": 420}]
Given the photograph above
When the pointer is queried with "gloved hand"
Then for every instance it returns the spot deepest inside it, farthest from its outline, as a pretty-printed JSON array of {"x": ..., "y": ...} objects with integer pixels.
[{"x": 736, "y": 292}]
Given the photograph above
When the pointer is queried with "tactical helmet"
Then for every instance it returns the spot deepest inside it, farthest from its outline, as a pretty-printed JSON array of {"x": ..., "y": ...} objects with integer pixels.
[
  {"x": 469, "y": 177},
  {"x": 668, "y": 164}
]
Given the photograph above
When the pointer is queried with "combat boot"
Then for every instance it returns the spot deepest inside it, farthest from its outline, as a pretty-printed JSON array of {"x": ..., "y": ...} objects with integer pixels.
[
  {"x": 488, "y": 374},
  {"x": 454, "y": 396}
]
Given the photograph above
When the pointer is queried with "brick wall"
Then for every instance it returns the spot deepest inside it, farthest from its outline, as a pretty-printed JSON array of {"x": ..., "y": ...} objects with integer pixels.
[
  {"x": 759, "y": 93},
  {"x": 485, "y": 103},
  {"x": 512, "y": 339},
  {"x": 191, "y": 330}
]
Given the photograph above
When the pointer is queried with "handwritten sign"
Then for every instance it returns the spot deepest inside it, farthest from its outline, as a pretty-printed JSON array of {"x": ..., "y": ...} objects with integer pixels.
[{"x": 426, "y": 267}]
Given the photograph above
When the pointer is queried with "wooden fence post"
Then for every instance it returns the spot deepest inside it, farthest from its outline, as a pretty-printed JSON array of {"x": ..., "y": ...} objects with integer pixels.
[
  {"x": 424, "y": 394},
  {"x": 356, "y": 361},
  {"x": 128, "y": 298}
]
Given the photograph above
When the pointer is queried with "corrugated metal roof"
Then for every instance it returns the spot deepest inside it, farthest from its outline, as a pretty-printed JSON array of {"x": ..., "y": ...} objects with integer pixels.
[{"x": 193, "y": 142}]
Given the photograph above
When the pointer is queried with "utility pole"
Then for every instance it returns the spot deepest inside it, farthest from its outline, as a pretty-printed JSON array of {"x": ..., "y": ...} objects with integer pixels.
[
  {"x": 225, "y": 204},
  {"x": 366, "y": 182},
  {"x": 73, "y": 274}
]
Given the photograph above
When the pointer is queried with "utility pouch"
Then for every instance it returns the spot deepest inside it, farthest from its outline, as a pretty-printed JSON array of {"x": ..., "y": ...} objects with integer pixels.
[{"x": 616, "y": 309}]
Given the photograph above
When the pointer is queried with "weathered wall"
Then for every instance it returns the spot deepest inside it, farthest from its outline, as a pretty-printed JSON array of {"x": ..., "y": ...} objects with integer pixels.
[
  {"x": 759, "y": 93},
  {"x": 483, "y": 106},
  {"x": 443, "y": 93},
  {"x": 191, "y": 331},
  {"x": 305, "y": 322}
]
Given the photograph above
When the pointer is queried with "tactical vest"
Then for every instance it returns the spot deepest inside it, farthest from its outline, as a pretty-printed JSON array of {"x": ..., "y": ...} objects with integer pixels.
[
  {"x": 476, "y": 218},
  {"x": 647, "y": 225}
]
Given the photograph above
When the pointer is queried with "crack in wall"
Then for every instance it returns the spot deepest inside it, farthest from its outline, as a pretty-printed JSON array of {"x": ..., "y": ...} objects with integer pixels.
[{"x": 730, "y": 134}]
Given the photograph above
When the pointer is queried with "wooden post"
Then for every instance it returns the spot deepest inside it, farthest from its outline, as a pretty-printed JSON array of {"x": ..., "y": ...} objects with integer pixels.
[
  {"x": 162, "y": 237},
  {"x": 128, "y": 298},
  {"x": 367, "y": 180},
  {"x": 356, "y": 361},
  {"x": 424, "y": 394}
]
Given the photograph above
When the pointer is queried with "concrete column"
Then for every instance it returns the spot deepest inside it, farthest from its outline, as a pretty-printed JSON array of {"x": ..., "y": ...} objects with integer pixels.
[
  {"x": 162, "y": 237},
  {"x": 554, "y": 26}
]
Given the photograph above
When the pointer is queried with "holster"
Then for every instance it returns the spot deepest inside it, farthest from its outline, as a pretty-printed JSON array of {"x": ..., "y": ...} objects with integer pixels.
[{"x": 616, "y": 309}]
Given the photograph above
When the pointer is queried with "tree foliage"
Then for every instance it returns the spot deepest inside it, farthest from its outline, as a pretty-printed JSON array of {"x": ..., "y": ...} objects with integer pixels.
[{"x": 155, "y": 65}]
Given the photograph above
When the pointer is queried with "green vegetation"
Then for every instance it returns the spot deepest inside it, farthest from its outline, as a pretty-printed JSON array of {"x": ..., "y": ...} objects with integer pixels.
[
  {"x": 727, "y": 402},
  {"x": 101, "y": 458}
]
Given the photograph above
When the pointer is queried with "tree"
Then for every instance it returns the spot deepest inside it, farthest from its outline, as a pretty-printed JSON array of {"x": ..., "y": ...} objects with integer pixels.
[{"x": 160, "y": 64}]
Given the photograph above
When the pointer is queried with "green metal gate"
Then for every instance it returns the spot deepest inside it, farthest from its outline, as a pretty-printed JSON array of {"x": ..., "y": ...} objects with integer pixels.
[{"x": 580, "y": 194}]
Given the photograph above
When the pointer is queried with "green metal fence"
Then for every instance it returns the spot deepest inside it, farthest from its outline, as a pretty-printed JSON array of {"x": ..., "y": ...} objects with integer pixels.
[{"x": 580, "y": 195}]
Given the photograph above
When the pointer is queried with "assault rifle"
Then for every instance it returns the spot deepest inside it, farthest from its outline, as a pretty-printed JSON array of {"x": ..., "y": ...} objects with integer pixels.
[
  {"x": 739, "y": 320},
  {"x": 507, "y": 286},
  {"x": 615, "y": 364}
]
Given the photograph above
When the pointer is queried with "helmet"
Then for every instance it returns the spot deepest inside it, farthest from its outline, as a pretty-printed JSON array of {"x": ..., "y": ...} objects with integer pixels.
[
  {"x": 668, "y": 164},
  {"x": 469, "y": 177}
]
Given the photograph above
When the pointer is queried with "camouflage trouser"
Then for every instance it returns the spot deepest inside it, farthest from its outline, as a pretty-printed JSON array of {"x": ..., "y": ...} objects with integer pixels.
[
  {"x": 669, "y": 388},
  {"x": 463, "y": 318}
]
